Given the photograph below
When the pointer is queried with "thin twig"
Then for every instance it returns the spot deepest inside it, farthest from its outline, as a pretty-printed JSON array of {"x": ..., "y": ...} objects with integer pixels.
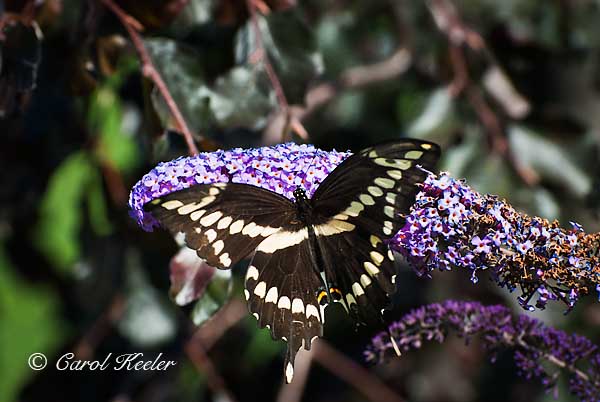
[
  {"x": 263, "y": 56},
  {"x": 197, "y": 354},
  {"x": 86, "y": 347},
  {"x": 458, "y": 34},
  {"x": 149, "y": 71},
  {"x": 352, "y": 78},
  {"x": 354, "y": 374},
  {"x": 227, "y": 316}
]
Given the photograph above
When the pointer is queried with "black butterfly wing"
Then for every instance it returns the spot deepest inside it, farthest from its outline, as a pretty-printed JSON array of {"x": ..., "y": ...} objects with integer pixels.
[
  {"x": 359, "y": 268},
  {"x": 232, "y": 220},
  {"x": 368, "y": 193},
  {"x": 281, "y": 288},
  {"x": 223, "y": 222}
]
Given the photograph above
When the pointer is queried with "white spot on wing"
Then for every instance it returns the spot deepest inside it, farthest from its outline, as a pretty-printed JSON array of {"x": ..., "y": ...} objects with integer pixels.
[
  {"x": 333, "y": 227},
  {"x": 395, "y": 174},
  {"x": 413, "y": 154},
  {"x": 172, "y": 204},
  {"x": 357, "y": 289},
  {"x": 374, "y": 240},
  {"x": 284, "y": 302},
  {"x": 210, "y": 219},
  {"x": 375, "y": 191},
  {"x": 261, "y": 289},
  {"x": 365, "y": 280},
  {"x": 312, "y": 310},
  {"x": 391, "y": 198},
  {"x": 268, "y": 231},
  {"x": 196, "y": 215},
  {"x": 281, "y": 240},
  {"x": 354, "y": 209},
  {"x": 389, "y": 211},
  {"x": 224, "y": 222},
  {"x": 366, "y": 199},
  {"x": 236, "y": 227},
  {"x": 252, "y": 273},
  {"x": 387, "y": 227},
  {"x": 211, "y": 235},
  {"x": 376, "y": 257},
  {"x": 271, "y": 295},
  {"x": 218, "y": 246},
  {"x": 289, "y": 373},
  {"x": 394, "y": 163},
  {"x": 206, "y": 200},
  {"x": 297, "y": 306},
  {"x": 384, "y": 182},
  {"x": 225, "y": 260},
  {"x": 371, "y": 268},
  {"x": 186, "y": 209}
]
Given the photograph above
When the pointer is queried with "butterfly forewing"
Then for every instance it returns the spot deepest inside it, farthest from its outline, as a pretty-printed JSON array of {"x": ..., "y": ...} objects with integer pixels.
[
  {"x": 223, "y": 222},
  {"x": 373, "y": 188}
]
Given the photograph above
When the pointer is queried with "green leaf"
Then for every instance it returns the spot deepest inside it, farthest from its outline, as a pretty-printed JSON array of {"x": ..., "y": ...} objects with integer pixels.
[
  {"x": 57, "y": 233},
  {"x": 261, "y": 348},
  {"x": 236, "y": 99},
  {"x": 31, "y": 323},
  {"x": 437, "y": 119},
  {"x": 552, "y": 162},
  {"x": 106, "y": 119},
  {"x": 291, "y": 48}
]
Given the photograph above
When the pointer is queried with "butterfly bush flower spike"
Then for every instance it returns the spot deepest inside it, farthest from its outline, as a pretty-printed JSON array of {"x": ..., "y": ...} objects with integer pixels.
[
  {"x": 450, "y": 225},
  {"x": 540, "y": 351},
  {"x": 280, "y": 168}
]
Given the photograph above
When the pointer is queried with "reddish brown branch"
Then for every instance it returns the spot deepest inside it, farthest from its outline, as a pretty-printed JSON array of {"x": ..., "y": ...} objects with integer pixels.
[
  {"x": 86, "y": 347},
  {"x": 353, "y": 373},
  {"x": 149, "y": 71},
  {"x": 264, "y": 57},
  {"x": 197, "y": 354}
]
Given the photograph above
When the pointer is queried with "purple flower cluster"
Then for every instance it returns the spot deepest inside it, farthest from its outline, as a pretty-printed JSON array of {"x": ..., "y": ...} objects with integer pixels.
[
  {"x": 536, "y": 346},
  {"x": 450, "y": 225},
  {"x": 279, "y": 168}
]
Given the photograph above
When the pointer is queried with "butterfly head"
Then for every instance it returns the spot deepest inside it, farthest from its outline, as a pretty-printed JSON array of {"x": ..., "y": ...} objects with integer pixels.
[{"x": 300, "y": 194}]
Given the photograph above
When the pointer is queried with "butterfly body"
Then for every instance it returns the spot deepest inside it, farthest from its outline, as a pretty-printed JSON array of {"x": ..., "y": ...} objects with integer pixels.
[{"x": 310, "y": 251}]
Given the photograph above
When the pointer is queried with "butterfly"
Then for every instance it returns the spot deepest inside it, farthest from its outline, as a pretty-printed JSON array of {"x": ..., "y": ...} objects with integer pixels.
[{"x": 308, "y": 252}]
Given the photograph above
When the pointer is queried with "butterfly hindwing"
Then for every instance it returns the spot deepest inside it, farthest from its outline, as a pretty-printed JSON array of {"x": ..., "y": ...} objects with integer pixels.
[
  {"x": 364, "y": 276},
  {"x": 281, "y": 289},
  {"x": 223, "y": 222}
]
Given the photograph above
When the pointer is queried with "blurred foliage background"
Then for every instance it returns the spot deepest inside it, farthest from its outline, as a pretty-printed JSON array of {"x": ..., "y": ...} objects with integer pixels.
[{"x": 510, "y": 89}]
